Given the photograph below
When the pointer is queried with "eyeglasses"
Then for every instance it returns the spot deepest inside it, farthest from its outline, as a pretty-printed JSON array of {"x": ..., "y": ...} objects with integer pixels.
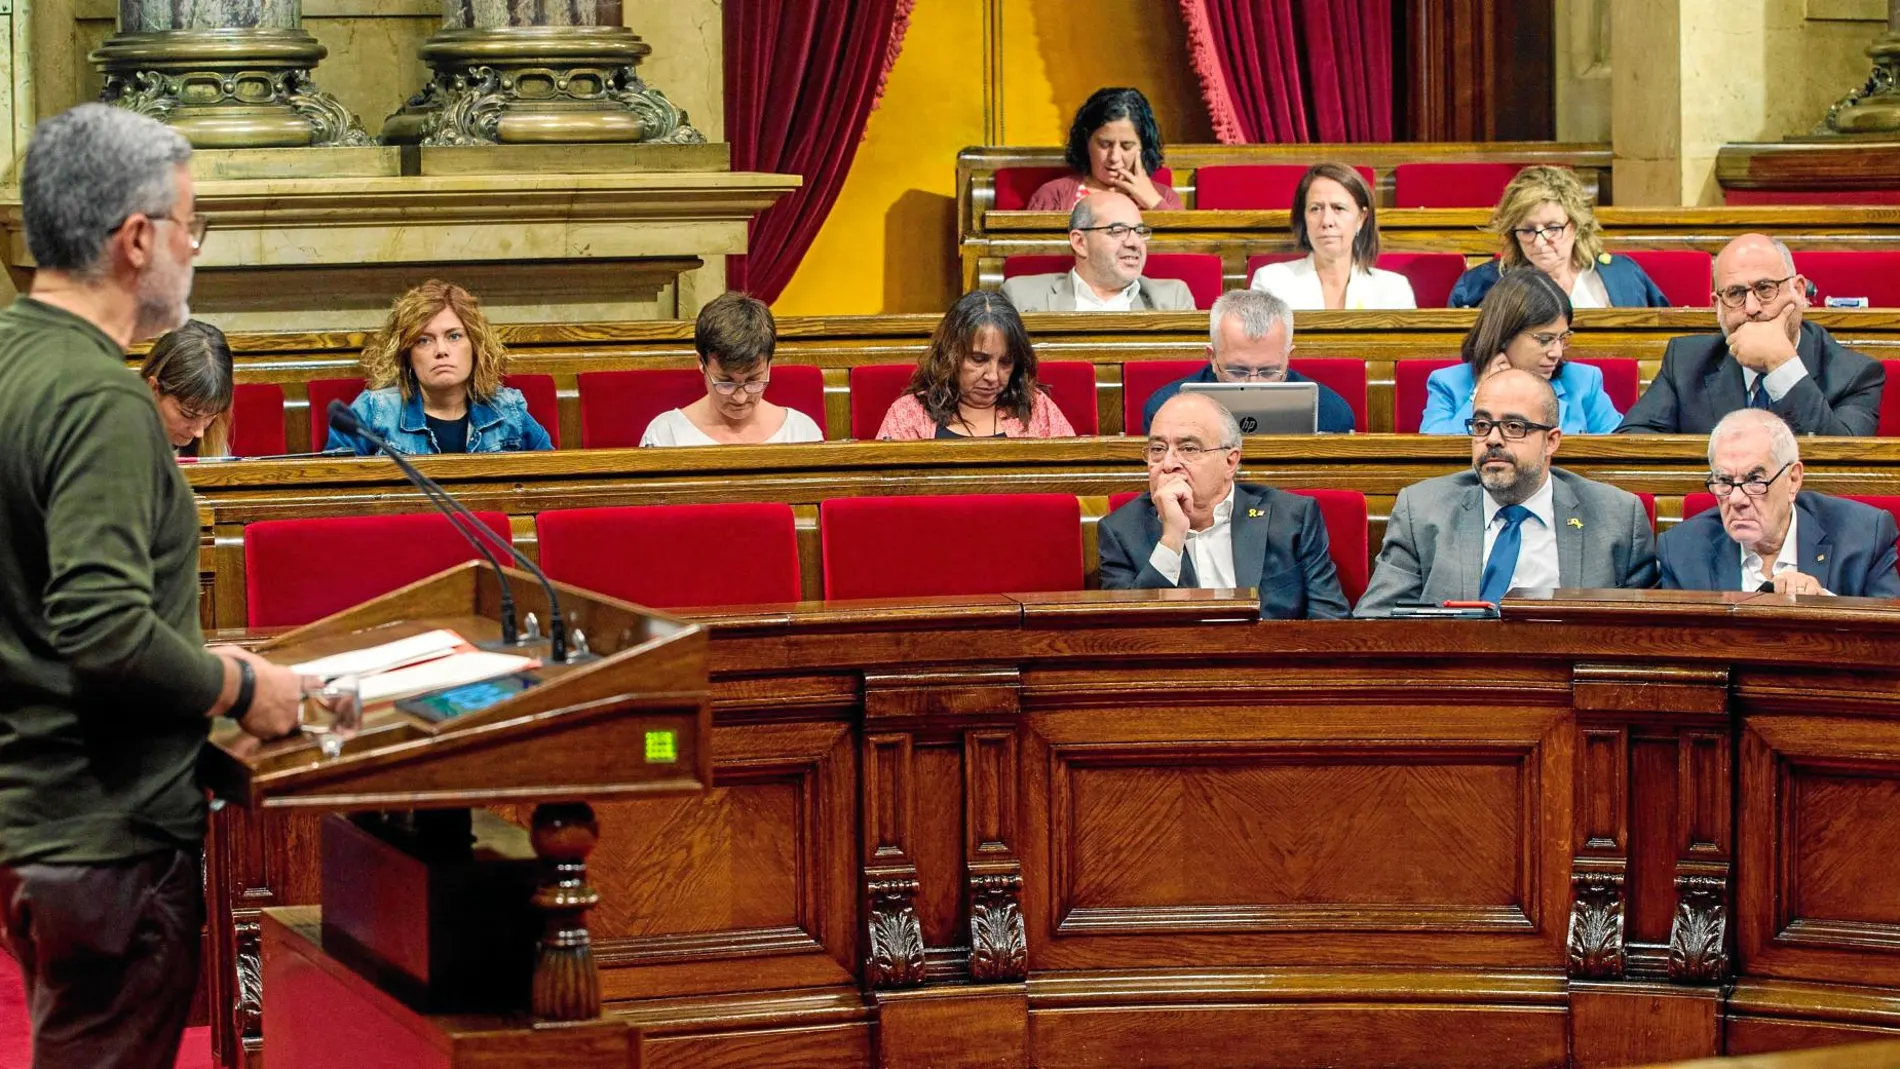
[
  {"x": 1118, "y": 231},
  {"x": 727, "y": 389},
  {"x": 1511, "y": 429},
  {"x": 195, "y": 225},
  {"x": 1546, "y": 233},
  {"x": 1545, "y": 341},
  {"x": 1158, "y": 451},
  {"x": 1764, "y": 290},
  {"x": 1723, "y": 486},
  {"x": 1250, "y": 374}
]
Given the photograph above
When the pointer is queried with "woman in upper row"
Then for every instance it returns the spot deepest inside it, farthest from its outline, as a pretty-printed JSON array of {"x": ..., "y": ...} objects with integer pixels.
[
  {"x": 1544, "y": 221},
  {"x": 1113, "y": 145},
  {"x": 1336, "y": 223}
]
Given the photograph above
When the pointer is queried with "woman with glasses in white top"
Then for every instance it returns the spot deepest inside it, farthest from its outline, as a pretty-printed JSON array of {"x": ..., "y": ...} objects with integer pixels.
[
  {"x": 1337, "y": 225},
  {"x": 735, "y": 336},
  {"x": 1544, "y": 220}
]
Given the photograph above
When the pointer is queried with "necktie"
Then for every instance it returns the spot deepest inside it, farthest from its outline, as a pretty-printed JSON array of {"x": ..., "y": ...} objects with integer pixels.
[
  {"x": 1497, "y": 571},
  {"x": 1758, "y": 397}
]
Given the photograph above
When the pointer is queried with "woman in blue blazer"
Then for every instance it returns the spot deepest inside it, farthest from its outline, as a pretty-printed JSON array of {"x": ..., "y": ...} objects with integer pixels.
[
  {"x": 1523, "y": 323},
  {"x": 1544, "y": 221}
]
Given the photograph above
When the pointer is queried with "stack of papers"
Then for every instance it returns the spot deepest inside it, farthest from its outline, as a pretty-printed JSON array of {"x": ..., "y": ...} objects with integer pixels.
[{"x": 415, "y": 665}]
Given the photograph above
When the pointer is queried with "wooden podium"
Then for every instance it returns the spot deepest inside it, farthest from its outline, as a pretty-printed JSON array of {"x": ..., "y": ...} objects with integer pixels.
[{"x": 425, "y": 950}]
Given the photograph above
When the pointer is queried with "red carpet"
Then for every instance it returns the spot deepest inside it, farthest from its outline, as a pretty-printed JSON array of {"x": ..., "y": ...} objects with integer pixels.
[{"x": 15, "y": 1044}]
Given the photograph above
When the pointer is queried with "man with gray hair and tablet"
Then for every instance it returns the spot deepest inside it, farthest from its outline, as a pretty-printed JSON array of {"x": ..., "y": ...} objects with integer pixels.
[{"x": 1250, "y": 339}]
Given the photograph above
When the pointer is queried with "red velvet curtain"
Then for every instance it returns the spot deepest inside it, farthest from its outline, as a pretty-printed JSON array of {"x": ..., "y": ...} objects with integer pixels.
[
  {"x": 802, "y": 77},
  {"x": 1293, "y": 70}
]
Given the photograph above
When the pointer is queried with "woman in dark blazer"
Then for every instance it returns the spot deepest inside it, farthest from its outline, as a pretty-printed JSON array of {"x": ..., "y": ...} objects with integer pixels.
[{"x": 1544, "y": 221}]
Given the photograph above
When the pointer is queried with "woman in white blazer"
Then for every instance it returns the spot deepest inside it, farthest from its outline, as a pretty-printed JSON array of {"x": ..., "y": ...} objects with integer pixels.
[{"x": 1335, "y": 222}]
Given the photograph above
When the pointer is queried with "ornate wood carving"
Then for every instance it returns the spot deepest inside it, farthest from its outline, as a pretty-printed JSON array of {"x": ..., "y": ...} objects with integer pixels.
[
  {"x": 1595, "y": 943},
  {"x": 566, "y": 984},
  {"x": 1698, "y": 937},
  {"x": 897, "y": 937},
  {"x": 250, "y": 980},
  {"x": 999, "y": 946}
]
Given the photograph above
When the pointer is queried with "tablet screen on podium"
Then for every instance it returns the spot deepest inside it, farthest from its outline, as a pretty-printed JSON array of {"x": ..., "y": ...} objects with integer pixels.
[{"x": 441, "y": 705}]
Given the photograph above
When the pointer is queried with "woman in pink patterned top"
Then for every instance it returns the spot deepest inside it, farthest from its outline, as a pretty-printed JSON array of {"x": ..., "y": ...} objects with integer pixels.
[
  {"x": 1113, "y": 144},
  {"x": 977, "y": 380}
]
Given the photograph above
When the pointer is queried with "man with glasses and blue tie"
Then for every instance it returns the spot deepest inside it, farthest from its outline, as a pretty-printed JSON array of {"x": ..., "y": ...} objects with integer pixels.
[
  {"x": 1110, "y": 243},
  {"x": 1770, "y": 536},
  {"x": 1765, "y": 358},
  {"x": 1197, "y": 527},
  {"x": 1512, "y": 521},
  {"x": 1250, "y": 339}
]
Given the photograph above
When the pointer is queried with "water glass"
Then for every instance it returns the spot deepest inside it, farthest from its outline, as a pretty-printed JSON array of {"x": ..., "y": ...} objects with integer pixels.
[{"x": 332, "y": 711}]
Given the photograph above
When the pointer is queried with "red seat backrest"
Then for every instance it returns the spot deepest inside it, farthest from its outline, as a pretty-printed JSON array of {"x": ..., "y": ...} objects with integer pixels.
[
  {"x": 890, "y": 547},
  {"x": 1015, "y": 185},
  {"x": 1450, "y": 185},
  {"x": 1200, "y": 270},
  {"x": 1649, "y": 508},
  {"x": 1344, "y": 375},
  {"x": 1433, "y": 275},
  {"x": 1072, "y": 386},
  {"x": 543, "y": 402},
  {"x": 1890, "y": 401},
  {"x": 1682, "y": 274},
  {"x": 1870, "y": 274},
  {"x": 874, "y": 388},
  {"x": 1622, "y": 378},
  {"x": 296, "y": 571},
  {"x": 1255, "y": 263},
  {"x": 749, "y": 552},
  {"x": 1036, "y": 263},
  {"x": 1347, "y": 539},
  {"x": 1140, "y": 380},
  {"x": 1259, "y": 186},
  {"x": 1408, "y": 388},
  {"x": 257, "y": 420},
  {"x": 1700, "y": 501},
  {"x": 321, "y": 393},
  {"x": 616, "y": 406}
]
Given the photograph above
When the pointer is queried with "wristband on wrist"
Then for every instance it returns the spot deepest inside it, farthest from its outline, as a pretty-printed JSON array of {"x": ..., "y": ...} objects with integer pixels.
[{"x": 247, "y": 690}]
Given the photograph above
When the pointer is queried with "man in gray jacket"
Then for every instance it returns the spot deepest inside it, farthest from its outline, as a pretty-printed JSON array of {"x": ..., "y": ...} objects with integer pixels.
[
  {"x": 1513, "y": 521},
  {"x": 1110, "y": 243}
]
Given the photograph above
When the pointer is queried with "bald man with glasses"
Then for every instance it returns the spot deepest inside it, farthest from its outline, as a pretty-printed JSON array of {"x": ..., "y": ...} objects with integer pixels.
[{"x": 1765, "y": 358}]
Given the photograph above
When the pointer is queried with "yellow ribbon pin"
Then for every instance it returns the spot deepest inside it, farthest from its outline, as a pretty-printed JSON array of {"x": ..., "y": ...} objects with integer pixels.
[
  {"x": 1575, "y": 522},
  {"x": 1254, "y": 512}
]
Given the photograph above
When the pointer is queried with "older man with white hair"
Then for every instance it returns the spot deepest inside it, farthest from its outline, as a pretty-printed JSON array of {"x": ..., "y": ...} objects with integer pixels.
[
  {"x": 1250, "y": 339},
  {"x": 1770, "y": 535}
]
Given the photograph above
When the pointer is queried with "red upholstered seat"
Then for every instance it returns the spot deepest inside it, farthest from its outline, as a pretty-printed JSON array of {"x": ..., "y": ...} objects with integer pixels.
[
  {"x": 1682, "y": 274},
  {"x": 543, "y": 403},
  {"x": 1450, "y": 185},
  {"x": 1259, "y": 186},
  {"x": 321, "y": 393},
  {"x": 1622, "y": 378},
  {"x": 257, "y": 420},
  {"x": 1255, "y": 263},
  {"x": 296, "y": 571},
  {"x": 1346, "y": 377},
  {"x": 616, "y": 406},
  {"x": 1347, "y": 539},
  {"x": 1816, "y": 196},
  {"x": 889, "y": 547},
  {"x": 1890, "y": 401},
  {"x": 1649, "y": 508},
  {"x": 1015, "y": 185},
  {"x": 1432, "y": 274},
  {"x": 1873, "y": 275},
  {"x": 669, "y": 556},
  {"x": 1700, "y": 501},
  {"x": 1036, "y": 263},
  {"x": 875, "y": 387},
  {"x": 1140, "y": 380},
  {"x": 1072, "y": 386},
  {"x": 1408, "y": 388},
  {"x": 1200, "y": 270}
]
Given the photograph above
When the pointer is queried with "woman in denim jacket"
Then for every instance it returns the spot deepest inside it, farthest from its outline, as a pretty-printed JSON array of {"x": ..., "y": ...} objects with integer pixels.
[{"x": 435, "y": 382}]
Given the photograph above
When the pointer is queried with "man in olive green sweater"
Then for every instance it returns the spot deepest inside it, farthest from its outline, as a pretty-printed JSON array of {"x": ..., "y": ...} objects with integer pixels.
[{"x": 106, "y": 688}]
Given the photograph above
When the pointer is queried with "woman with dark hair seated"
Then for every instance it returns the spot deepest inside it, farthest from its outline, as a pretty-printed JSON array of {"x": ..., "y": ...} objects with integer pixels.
[
  {"x": 976, "y": 380},
  {"x": 1524, "y": 323},
  {"x": 1544, "y": 221},
  {"x": 435, "y": 373},
  {"x": 1114, "y": 144},
  {"x": 1337, "y": 224},
  {"x": 736, "y": 336},
  {"x": 189, "y": 371}
]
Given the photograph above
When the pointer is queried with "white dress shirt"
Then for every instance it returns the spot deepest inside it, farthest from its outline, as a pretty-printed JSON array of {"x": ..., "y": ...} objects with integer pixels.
[
  {"x": 1788, "y": 560},
  {"x": 1537, "y": 548},
  {"x": 1212, "y": 551},
  {"x": 673, "y": 428},
  {"x": 1297, "y": 283},
  {"x": 1588, "y": 290},
  {"x": 1087, "y": 301},
  {"x": 1777, "y": 382}
]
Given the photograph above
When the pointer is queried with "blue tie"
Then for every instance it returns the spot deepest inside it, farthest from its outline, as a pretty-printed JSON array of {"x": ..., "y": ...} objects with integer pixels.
[
  {"x": 1497, "y": 570},
  {"x": 1758, "y": 397}
]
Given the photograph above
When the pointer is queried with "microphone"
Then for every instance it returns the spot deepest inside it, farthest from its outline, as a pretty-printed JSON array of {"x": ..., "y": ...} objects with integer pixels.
[{"x": 471, "y": 528}]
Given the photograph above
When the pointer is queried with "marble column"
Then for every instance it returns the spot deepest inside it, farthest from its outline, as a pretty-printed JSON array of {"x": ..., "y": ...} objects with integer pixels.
[
  {"x": 1874, "y": 108},
  {"x": 536, "y": 71},
  {"x": 225, "y": 73}
]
